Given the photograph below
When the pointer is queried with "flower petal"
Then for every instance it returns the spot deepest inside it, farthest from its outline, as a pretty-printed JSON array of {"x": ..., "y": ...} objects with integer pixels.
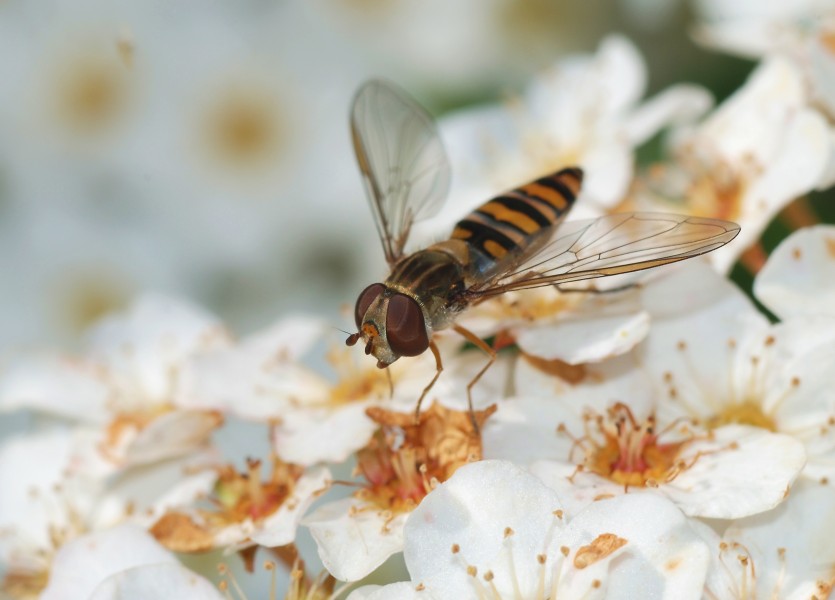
[
  {"x": 82, "y": 564},
  {"x": 799, "y": 277},
  {"x": 579, "y": 341},
  {"x": 454, "y": 528},
  {"x": 45, "y": 383},
  {"x": 143, "y": 346},
  {"x": 323, "y": 434},
  {"x": 160, "y": 582},
  {"x": 353, "y": 537},
  {"x": 741, "y": 471}
]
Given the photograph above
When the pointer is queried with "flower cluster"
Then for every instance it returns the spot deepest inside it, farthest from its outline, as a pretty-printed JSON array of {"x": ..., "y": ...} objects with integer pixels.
[{"x": 664, "y": 439}]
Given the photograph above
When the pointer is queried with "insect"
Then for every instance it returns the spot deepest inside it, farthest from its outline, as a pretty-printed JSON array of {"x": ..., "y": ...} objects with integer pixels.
[{"x": 515, "y": 241}]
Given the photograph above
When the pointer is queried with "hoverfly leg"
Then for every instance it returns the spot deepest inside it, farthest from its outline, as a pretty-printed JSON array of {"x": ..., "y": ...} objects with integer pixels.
[
  {"x": 391, "y": 383},
  {"x": 439, "y": 367},
  {"x": 477, "y": 341}
]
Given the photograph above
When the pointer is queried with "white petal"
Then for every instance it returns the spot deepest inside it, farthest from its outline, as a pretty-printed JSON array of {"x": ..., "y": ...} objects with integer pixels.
[
  {"x": 280, "y": 527},
  {"x": 676, "y": 105},
  {"x": 579, "y": 341},
  {"x": 663, "y": 557},
  {"x": 742, "y": 471},
  {"x": 323, "y": 434},
  {"x": 773, "y": 90},
  {"x": 172, "y": 434},
  {"x": 394, "y": 591},
  {"x": 235, "y": 382},
  {"x": 794, "y": 169},
  {"x": 577, "y": 489},
  {"x": 37, "y": 495},
  {"x": 160, "y": 582},
  {"x": 473, "y": 509},
  {"x": 151, "y": 340},
  {"x": 353, "y": 537},
  {"x": 791, "y": 546},
  {"x": 146, "y": 493},
  {"x": 56, "y": 386},
  {"x": 608, "y": 164},
  {"x": 82, "y": 564},
  {"x": 799, "y": 277}
]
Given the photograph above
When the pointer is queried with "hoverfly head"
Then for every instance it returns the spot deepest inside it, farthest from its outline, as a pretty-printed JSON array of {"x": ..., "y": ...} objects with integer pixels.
[{"x": 391, "y": 324}]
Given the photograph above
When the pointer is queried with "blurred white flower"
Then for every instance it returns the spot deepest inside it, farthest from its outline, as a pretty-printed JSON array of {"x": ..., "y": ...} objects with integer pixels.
[
  {"x": 400, "y": 465},
  {"x": 730, "y": 166},
  {"x": 520, "y": 544},
  {"x": 123, "y": 390},
  {"x": 47, "y": 502},
  {"x": 262, "y": 378},
  {"x": 584, "y": 111},
  {"x": 799, "y": 277},
  {"x": 786, "y": 553},
  {"x": 246, "y": 509},
  {"x": 801, "y": 30},
  {"x": 123, "y": 562}
]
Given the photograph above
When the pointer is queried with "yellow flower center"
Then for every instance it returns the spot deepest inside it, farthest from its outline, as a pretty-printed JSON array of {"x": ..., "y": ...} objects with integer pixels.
[
  {"x": 90, "y": 91},
  {"x": 744, "y": 413},
  {"x": 243, "y": 128},
  {"x": 628, "y": 452}
]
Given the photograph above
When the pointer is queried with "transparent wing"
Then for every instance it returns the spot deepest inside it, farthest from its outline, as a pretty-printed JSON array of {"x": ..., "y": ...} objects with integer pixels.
[
  {"x": 403, "y": 162},
  {"x": 611, "y": 245}
]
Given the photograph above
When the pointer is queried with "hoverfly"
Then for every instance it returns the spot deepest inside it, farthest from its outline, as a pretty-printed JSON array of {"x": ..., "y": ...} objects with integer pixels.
[{"x": 515, "y": 241}]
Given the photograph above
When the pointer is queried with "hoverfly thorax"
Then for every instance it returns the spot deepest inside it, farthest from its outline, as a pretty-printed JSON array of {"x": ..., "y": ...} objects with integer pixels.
[{"x": 390, "y": 323}]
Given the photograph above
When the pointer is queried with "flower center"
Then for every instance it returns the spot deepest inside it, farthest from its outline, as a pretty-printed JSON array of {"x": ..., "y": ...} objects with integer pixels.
[
  {"x": 743, "y": 413},
  {"x": 237, "y": 497},
  {"x": 356, "y": 383},
  {"x": 243, "y": 128},
  {"x": 626, "y": 451},
  {"x": 91, "y": 92},
  {"x": 405, "y": 460}
]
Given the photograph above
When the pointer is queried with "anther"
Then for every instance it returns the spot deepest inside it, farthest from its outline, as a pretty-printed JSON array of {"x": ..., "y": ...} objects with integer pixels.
[
  {"x": 472, "y": 571},
  {"x": 352, "y": 339},
  {"x": 456, "y": 548},
  {"x": 508, "y": 532},
  {"x": 368, "y": 346}
]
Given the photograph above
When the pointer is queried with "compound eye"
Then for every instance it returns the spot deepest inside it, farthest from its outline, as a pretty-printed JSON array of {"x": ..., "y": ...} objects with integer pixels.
[
  {"x": 366, "y": 298},
  {"x": 405, "y": 327}
]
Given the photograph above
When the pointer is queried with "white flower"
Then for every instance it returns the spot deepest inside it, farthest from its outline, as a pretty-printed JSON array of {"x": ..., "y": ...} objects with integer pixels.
[
  {"x": 124, "y": 562},
  {"x": 785, "y": 553},
  {"x": 262, "y": 378},
  {"x": 400, "y": 465},
  {"x": 622, "y": 426},
  {"x": 520, "y": 544},
  {"x": 723, "y": 363},
  {"x": 124, "y": 387},
  {"x": 245, "y": 509},
  {"x": 46, "y": 503},
  {"x": 583, "y": 111},
  {"x": 799, "y": 277},
  {"x": 572, "y": 327},
  {"x": 730, "y": 166}
]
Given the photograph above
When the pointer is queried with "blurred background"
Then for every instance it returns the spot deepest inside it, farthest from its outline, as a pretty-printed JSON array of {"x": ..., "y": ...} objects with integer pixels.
[{"x": 202, "y": 148}]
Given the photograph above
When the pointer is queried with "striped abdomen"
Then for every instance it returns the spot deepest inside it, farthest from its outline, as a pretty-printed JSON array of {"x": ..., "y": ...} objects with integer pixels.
[{"x": 511, "y": 223}]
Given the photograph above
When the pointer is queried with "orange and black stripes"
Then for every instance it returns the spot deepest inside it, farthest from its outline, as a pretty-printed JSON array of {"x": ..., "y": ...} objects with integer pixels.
[{"x": 511, "y": 221}]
